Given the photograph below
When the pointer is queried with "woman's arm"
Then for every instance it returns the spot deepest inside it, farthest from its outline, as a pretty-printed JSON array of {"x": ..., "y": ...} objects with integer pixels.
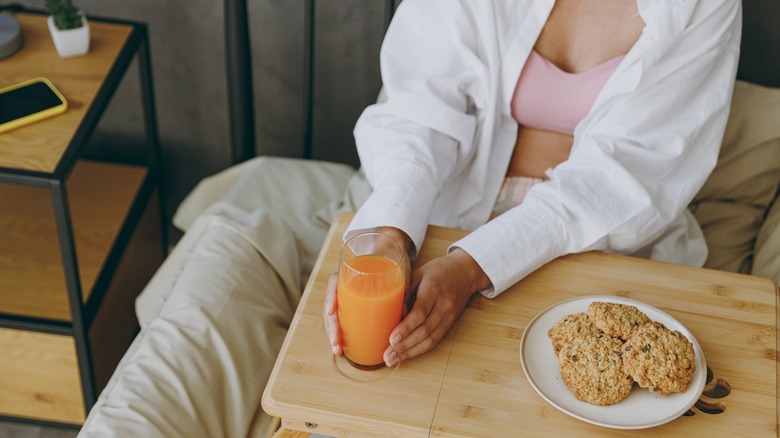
[{"x": 412, "y": 144}]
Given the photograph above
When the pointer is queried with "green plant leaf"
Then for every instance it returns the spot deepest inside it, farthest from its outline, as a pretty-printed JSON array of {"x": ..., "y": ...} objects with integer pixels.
[{"x": 66, "y": 16}]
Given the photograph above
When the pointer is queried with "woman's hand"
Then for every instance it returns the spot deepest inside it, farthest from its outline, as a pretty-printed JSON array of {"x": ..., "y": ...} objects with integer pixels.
[
  {"x": 443, "y": 287},
  {"x": 331, "y": 316}
]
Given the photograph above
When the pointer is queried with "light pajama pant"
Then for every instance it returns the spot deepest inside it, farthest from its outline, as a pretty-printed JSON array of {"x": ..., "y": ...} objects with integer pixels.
[{"x": 223, "y": 301}]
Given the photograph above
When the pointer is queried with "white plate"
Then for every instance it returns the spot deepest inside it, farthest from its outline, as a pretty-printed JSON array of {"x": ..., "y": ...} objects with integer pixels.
[{"x": 641, "y": 409}]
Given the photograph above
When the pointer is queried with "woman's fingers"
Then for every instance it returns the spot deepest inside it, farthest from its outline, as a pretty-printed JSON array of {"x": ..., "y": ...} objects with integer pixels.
[
  {"x": 417, "y": 316},
  {"x": 427, "y": 342},
  {"x": 331, "y": 295},
  {"x": 420, "y": 331},
  {"x": 331, "y": 316}
]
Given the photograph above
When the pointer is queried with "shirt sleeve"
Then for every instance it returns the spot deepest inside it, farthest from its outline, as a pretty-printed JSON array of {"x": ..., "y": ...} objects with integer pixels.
[
  {"x": 637, "y": 161},
  {"x": 413, "y": 143}
]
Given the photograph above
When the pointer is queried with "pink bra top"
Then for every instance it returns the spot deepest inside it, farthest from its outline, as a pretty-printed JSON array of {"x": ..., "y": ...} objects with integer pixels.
[{"x": 549, "y": 98}]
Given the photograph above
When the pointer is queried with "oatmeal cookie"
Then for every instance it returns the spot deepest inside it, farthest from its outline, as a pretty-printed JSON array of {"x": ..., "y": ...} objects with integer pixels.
[
  {"x": 570, "y": 327},
  {"x": 659, "y": 359},
  {"x": 616, "y": 320},
  {"x": 592, "y": 369}
]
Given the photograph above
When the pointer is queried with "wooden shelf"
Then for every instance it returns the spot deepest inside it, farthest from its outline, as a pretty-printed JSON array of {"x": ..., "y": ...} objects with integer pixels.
[
  {"x": 52, "y": 368},
  {"x": 32, "y": 280},
  {"x": 40, "y": 377},
  {"x": 39, "y": 372},
  {"x": 40, "y": 146}
]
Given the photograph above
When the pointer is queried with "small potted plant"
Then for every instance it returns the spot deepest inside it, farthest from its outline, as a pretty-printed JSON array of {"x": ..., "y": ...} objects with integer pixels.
[{"x": 68, "y": 27}]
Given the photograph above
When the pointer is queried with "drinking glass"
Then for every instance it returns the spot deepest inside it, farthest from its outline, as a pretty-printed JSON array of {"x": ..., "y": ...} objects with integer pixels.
[{"x": 370, "y": 296}]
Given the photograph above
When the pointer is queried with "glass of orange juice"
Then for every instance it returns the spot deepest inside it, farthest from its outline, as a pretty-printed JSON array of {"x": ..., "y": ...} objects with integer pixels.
[{"x": 370, "y": 296}]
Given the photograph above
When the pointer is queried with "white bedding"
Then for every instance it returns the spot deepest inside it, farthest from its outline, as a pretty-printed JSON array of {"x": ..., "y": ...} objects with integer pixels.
[{"x": 215, "y": 314}]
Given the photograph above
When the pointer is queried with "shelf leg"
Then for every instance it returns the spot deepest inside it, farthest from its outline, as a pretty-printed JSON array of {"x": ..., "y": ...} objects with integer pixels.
[
  {"x": 150, "y": 126},
  {"x": 73, "y": 283}
]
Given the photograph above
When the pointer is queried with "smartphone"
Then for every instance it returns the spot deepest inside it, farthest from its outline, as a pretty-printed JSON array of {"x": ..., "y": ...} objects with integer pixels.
[{"x": 28, "y": 102}]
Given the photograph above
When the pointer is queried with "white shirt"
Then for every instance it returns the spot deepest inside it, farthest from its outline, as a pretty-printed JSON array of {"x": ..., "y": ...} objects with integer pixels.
[{"x": 438, "y": 149}]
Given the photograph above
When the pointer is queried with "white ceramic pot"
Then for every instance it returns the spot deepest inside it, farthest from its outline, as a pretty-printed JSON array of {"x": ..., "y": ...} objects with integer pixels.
[{"x": 70, "y": 42}]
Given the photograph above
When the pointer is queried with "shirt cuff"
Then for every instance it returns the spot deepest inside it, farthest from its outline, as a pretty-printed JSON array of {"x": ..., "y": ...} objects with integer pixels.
[
  {"x": 404, "y": 202},
  {"x": 515, "y": 244}
]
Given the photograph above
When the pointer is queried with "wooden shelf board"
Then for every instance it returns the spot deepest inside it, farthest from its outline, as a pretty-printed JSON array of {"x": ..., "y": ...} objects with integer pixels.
[
  {"x": 39, "y": 377},
  {"x": 32, "y": 281}
]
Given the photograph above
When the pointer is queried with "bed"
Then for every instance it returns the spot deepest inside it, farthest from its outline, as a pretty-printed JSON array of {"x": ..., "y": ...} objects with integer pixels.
[{"x": 737, "y": 209}]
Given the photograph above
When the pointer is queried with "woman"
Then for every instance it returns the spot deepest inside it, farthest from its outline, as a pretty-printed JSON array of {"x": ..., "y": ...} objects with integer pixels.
[{"x": 608, "y": 114}]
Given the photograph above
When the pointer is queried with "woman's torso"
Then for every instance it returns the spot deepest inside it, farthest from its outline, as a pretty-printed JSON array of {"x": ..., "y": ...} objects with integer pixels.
[{"x": 579, "y": 35}]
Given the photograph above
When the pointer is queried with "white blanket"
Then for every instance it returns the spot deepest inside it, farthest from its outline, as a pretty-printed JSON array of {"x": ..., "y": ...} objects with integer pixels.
[{"x": 217, "y": 311}]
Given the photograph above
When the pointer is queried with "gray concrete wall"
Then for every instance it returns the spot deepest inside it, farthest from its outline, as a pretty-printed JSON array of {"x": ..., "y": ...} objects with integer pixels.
[{"x": 188, "y": 61}]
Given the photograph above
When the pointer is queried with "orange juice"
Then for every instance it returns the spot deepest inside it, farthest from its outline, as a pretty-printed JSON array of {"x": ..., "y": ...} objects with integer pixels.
[{"x": 370, "y": 299}]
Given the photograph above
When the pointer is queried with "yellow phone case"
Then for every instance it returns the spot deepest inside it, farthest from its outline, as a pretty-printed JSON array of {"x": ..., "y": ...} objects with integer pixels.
[{"x": 26, "y": 120}]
